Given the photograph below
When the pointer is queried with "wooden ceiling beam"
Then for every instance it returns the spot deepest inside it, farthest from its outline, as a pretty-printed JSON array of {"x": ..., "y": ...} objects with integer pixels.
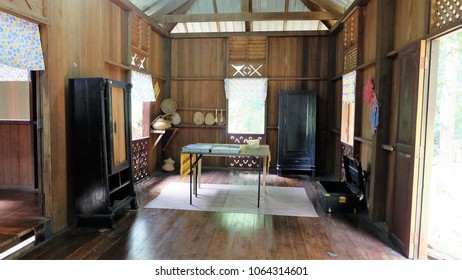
[
  {"x": 179, "y": 11},
  {"x": 262, "y": 33},
  {"x": 171, "y": 6},
  {"x": 129, "y": 6},
  {"x": 247, "y": 8},
  {"x": 246, "y": 16},
  {"x": 329, "y": 6},
  {"x": 315, "y": 7}
]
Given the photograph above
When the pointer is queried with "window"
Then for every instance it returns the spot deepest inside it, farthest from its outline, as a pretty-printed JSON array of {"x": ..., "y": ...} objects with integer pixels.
[
  {"x": 246, "y": 105},
  {"x": 142, "y": 94},
  {"x": 14, "y": 93},
  {"x": 348, "y": 108}
]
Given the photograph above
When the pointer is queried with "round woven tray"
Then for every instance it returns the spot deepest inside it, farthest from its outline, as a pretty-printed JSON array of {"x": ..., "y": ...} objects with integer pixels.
[
  {"x": 198, "y": 118},
  {"x": 176, "y": 119},
  {"x": 168, "y": 106},
  {"x": 209, "y": 119}
]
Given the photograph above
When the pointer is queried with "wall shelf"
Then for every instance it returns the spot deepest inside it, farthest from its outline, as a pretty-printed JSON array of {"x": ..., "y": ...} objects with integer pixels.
[
  {"x": 200, "y": 109},
  {"x": 200, "y": 126},
  {"x": 161, "y": 133}
]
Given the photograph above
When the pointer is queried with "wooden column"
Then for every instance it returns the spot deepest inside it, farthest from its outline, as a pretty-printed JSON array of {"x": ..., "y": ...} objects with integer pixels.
[
  {"x": 383, "y": 91},
  {"x": 330, "y": 114}
]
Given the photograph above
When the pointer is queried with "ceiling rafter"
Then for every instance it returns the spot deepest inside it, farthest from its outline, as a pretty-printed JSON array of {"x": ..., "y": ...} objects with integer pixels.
[
  {"x": 246, "y": 7},
  {"x": 215, "y": 11},
  {"x": 129, "y": 6},
  {"x": 179, "y": 11},
  {"x": 171, "y": 6},
  {"x": 246, "y": 16},
  {"x": 286, "y": 9},
  {"x": 315, "y": 7},
  {"x": 329, "y": 6}
]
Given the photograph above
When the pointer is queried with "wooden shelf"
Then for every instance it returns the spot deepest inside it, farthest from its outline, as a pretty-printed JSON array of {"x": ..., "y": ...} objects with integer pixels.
[
  {"x": 162, "y": 133},
  {"x": 200, "y": 126},
  {"x": 200, "y": 109},
  {"x": 120, "y": 65}
]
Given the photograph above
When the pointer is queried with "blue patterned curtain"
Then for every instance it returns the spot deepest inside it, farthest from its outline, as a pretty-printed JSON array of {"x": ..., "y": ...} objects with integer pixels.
[
  {"x": 10, "y": 74},
  {"x": 246, "y": 88},
  {"x": 143, "y": 89},
  {"x": 349, "y": 88},
  {"x": 20, "y": 45}
]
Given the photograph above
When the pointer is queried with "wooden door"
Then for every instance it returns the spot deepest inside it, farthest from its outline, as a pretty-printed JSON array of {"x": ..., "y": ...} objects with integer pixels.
[{"x": 407, "y": 146}]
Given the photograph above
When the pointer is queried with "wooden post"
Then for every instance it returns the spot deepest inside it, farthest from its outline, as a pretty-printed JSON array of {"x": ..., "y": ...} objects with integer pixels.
[{"x": 383, "y": 91}]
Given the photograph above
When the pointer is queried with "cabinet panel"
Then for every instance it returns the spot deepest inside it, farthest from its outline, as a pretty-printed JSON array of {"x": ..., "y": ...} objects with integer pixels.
[
  {"x": 118, "y": 126},
  {"x": 297, "y": 131},
  {"x": 100, "y": 171},
  {"x": 118, "y": 123}
]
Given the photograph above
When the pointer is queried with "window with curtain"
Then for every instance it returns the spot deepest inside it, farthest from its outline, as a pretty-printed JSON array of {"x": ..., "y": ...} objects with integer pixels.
[
  {"x": 246, "y": 105},
  {"x": 20, "y": 53},
  {"x": 142, "y": 94},
  {"x": 348, "y": 108}
]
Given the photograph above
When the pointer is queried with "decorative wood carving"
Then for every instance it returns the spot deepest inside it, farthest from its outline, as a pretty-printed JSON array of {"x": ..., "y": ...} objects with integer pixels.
[
  {"x": 140, "y": 159},
  {"x": 243, "y": 162},
  {"x": 445, "y": 12}
]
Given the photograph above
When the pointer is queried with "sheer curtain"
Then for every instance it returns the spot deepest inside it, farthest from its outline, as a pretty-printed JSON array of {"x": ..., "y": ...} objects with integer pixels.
[{"x": 246, "y": 105}]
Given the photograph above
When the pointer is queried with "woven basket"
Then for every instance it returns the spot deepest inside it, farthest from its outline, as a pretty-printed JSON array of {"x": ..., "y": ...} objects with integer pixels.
[
  {"x": 168, "y": 106},
  {"x": 160, "y": 124}
]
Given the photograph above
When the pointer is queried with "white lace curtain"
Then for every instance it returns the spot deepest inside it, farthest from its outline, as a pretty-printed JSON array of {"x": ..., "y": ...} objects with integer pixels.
[
  {"x": 142, "y": 87},
  {"x": 246, "y": 88}
]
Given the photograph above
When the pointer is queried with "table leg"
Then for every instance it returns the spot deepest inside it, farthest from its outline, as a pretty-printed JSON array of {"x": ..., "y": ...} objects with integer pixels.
[
  {"x": 259, "y": 180},
  {"x": 199, "y": 172},
  {"x": 265, "y": 160},
  {"x": 195, "y": 180},
  {"x": 190, "y": 179}
]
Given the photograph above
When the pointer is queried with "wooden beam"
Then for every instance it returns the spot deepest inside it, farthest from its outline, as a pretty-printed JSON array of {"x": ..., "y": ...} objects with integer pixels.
[
  {"x": 245, "y": 16},
  {"x": 215, "y": 11},
  {"x": 329, "y": 6},
  {"x": 263, "y": 33},
  {"x": 129, "y": 6},
  {"x": 16, "y": 11},
  {"x": 181, "y": 10},
  {"x": 347, "y": 13},
  {"x": 247, "y": 8},
  {"x": 383, "y": 91},
  {"x": 170, "y": 7},
  {"x": 314, "y": 7}
]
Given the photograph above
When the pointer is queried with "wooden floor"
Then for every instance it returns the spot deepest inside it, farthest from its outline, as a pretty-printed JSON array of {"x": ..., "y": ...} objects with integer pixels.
[
  {"x": 149, "y": 234},
  {"x": 20, "y": 217}
]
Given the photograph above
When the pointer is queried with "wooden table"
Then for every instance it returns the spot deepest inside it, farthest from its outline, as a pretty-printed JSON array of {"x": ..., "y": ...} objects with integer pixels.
[{"x": 261, "y": 153}]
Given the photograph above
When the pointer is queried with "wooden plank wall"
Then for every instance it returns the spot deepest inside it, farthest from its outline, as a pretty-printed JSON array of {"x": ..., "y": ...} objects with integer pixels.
[
  {"x": 298, "y": 63},
  {"x": 198, "y": 70},
  {"x": 16, "y": 165},
  {"x": 158, "y": 65},
  {"x": 410, "y": 25},
  {"x": 199, "y": 67}
]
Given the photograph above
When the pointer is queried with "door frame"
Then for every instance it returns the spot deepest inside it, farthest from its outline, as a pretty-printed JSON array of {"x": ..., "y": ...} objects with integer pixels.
[
  {"x": 424, "y": 180},
  {"x": 405, "y": 206}
]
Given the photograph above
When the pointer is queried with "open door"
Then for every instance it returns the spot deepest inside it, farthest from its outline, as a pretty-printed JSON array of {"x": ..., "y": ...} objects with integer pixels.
[{"x": 407, "y": 147}]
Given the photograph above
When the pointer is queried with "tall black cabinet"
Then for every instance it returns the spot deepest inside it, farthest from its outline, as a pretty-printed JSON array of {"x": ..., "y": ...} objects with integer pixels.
[
  {"x": 100, "y": 164},
  {"x": 296, "y": 132}
]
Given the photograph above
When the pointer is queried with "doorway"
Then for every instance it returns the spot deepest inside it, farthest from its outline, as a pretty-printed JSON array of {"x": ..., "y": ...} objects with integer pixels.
[
  {"x": 21, "y": 208},
  {"x": 443, "y": 151}
]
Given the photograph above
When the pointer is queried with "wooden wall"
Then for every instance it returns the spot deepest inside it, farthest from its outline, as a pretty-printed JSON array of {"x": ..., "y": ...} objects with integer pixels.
[
  {"x": 410, "y": 23},
  {"x": 298, "y": 63},
  {"x": 198, "y": 70},
  {"x": 87, "y": 38},
  {"x": 16, "y": 166}
]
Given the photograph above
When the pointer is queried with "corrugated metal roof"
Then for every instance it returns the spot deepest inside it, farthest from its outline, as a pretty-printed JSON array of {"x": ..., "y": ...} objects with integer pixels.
[{"x": 155, "y": 8}]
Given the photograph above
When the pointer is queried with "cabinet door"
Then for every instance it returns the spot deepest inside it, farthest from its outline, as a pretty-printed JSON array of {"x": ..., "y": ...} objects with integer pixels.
[
  {"x": 118, "y": 126},
  {"x": 297, "y": 125}
]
